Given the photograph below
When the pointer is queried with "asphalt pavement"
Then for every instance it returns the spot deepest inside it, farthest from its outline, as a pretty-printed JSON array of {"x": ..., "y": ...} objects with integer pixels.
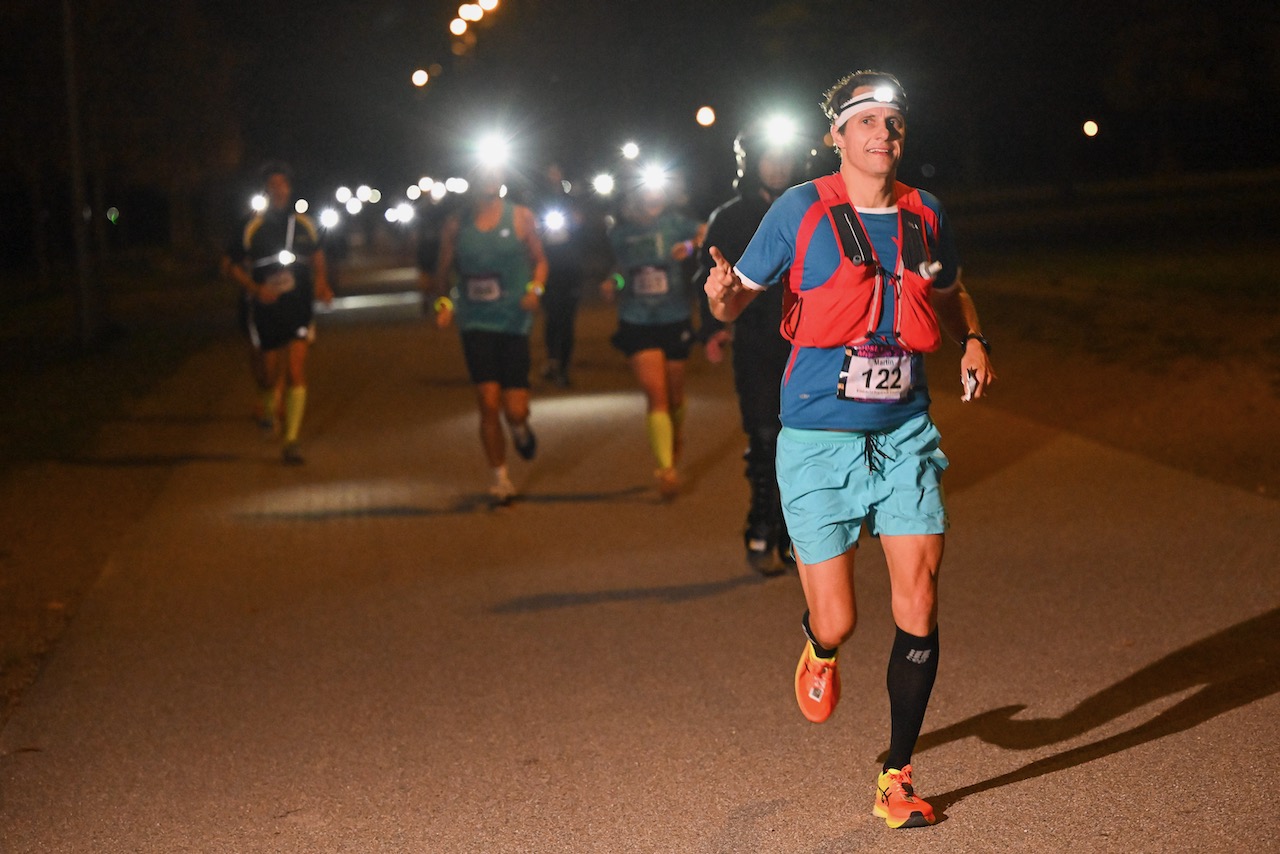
[{"x": 361, "y": 655}]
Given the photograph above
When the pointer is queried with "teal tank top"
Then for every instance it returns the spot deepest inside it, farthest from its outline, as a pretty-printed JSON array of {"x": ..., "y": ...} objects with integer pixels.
[
  {"x": 655, "y": 291},
  {"x": 493, "y": 269}
]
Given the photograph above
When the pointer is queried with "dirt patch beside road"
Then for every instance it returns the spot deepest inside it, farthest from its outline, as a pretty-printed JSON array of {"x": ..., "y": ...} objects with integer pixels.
[{"x": 1174, "y": 356}]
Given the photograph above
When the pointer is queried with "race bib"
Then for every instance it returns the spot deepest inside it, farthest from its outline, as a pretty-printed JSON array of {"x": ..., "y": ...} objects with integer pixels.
[
  {"x": 650, "y": 281},
  {"x": 483, "y": 288},
  {"x": 280, "y": 282},
  {"x": 875, "y": 373}
]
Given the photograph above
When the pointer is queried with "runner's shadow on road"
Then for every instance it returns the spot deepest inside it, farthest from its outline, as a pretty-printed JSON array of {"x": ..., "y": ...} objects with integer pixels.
[
  {"x": 670, "y": 594},
  {"x": 1231, "y": 669},
  {"x": 150, "y": 460},
  {"x": 580, "y": 497}
]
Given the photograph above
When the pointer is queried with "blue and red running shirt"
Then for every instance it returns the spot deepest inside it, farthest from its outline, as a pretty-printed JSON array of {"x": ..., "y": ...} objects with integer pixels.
[{"x": 809, "y": 400}]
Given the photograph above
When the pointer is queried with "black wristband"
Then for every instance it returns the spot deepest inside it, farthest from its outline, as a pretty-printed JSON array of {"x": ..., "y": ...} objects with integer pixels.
[{"x": 973, "y": 336}]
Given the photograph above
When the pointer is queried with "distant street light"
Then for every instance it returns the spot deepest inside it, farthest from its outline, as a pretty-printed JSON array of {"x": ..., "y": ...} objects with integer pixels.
[
  {"x": 706, "y": 116},
  {"x": 420, "y": 78}
]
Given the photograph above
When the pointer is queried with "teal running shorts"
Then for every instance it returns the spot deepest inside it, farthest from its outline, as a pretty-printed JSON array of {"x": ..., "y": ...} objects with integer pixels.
[{"x": 833, "y": 481}]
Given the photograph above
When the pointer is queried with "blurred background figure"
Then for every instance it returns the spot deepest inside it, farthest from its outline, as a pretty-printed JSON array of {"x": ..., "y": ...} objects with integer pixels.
[
  {"x": 771, "y": 156},
  {"x": 562, "y": 223},
  {"x": 651, "y": 242},
  {"x": 280, "y": 264},
  {"x": 266, "y": 414}
]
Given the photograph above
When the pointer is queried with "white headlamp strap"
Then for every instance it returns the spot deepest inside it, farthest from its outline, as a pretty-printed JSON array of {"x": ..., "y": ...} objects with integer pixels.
[{"x": 881, "y": 96}]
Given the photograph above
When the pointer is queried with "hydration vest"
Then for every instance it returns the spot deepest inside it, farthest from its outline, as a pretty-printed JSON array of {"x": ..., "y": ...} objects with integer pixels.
[{"x": 846, "y": 308}]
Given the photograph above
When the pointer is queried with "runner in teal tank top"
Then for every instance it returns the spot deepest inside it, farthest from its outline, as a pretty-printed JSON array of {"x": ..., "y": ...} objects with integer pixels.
[
  {"x": 651, "y": 242},
  {"x": 492, "y": 265}
]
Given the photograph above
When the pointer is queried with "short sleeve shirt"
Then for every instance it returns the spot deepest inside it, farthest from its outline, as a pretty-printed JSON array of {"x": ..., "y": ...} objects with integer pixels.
[{"x": 808, "y": 393}]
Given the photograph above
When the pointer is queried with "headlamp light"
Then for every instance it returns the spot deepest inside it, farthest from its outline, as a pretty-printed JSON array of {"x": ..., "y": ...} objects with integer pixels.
[{"x": 881, "y": 96}]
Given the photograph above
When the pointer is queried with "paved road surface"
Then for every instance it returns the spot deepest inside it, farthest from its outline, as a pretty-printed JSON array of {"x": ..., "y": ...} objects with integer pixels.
[{"x": 361, "y": 656}]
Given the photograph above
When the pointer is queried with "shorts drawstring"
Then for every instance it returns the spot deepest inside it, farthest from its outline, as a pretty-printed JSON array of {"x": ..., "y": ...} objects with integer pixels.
[{"x": 873, "y": 453}]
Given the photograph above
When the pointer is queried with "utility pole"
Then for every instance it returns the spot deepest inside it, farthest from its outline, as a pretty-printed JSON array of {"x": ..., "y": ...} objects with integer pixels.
[{"x": 89, "y": 309}]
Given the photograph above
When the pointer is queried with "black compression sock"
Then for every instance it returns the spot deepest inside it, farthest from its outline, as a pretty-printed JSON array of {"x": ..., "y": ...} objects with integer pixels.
[
  {"x": 913, "y": 667},
  {"x": 818, "y": 649}
]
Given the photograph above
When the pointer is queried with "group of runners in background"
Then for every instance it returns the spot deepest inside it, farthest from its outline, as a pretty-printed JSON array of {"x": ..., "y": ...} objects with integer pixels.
[{"x": 828, "y": 292}]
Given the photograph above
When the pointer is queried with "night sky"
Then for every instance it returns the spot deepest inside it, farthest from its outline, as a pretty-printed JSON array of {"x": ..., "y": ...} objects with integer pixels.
[{"x": 999, "y": 90}]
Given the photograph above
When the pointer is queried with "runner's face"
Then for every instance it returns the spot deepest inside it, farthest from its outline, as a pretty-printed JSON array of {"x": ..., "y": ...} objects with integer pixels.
[
  {"x": 776, "y": 170},
  {"x": 279, "y": 191},
  {"x": 871, "y": 141},
  {"x": 488, "y": 182}
]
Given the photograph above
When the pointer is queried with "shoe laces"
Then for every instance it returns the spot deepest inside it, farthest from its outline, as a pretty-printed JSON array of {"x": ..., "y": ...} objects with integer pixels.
[
  {"x": 901, "y": 784},
  {"x": 820, "y": 669}
]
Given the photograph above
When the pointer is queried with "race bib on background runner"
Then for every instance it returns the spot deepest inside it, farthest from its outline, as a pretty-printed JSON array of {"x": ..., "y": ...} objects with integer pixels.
[
  {"x": 484, "y": 288},
  {"x": 874, "y": 373},
  {"x": 650, "y": 281}
]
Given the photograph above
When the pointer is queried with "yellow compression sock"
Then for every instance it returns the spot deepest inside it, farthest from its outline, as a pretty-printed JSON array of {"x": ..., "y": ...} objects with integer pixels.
[
  {"x": 295, "y": 401},
  {"x": 661, "y": 438}
]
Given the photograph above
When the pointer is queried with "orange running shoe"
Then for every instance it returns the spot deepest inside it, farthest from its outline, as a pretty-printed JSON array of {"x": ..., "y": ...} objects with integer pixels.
[
  {"x": 896, "y": 801},
  {"x": 668, "y": 483},
  {"x": 817, "y": 685}
]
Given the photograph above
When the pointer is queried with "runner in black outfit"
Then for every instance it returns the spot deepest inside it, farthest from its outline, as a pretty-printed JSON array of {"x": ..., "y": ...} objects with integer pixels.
[{"x": 769, "y": 161}]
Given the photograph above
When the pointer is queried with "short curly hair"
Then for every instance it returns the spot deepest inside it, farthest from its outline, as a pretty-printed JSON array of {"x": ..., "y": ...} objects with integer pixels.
[{"x": 844, "y": 87}]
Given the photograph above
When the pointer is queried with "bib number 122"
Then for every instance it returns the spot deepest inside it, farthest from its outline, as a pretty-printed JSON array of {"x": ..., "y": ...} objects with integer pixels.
[{"x": 875, "y": 376}]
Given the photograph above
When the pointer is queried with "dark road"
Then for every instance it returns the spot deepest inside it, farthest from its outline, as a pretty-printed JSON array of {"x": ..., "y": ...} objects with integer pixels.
[{"x": 361, "y": 655}]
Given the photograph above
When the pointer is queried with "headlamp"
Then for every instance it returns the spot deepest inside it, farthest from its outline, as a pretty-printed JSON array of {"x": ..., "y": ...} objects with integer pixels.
[
  {"x": 779, "y": 132},
  {"x": 492, "y": 151},
  {"x": 881, "y": 96},
  {"x": 554, "y": 220},
  {"x": 653, "y": 178}
]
